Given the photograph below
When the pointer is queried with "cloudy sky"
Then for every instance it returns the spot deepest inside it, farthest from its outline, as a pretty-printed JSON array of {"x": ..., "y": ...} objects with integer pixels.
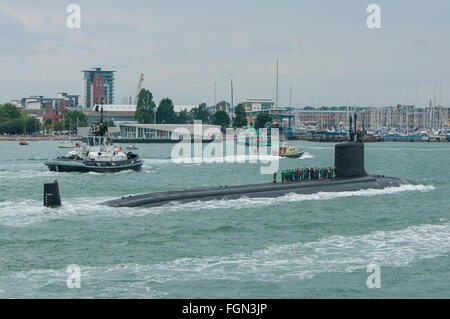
[{"x": 325, "y": 50}]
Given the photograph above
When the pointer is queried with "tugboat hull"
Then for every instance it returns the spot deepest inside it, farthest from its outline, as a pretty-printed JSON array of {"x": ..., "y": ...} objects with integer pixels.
[{"x": 65, "y": 165}]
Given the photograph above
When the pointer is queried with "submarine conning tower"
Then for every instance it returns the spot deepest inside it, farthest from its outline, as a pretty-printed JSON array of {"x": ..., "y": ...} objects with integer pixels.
[{"x": 349, "y": 156}]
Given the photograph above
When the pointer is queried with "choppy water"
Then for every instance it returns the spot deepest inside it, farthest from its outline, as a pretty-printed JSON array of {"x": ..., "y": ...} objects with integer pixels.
[{"x": 296, "y": 246}]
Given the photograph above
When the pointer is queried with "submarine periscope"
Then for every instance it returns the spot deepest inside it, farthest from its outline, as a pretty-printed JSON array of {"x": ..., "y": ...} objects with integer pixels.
[{"x": 350, "y": 175}]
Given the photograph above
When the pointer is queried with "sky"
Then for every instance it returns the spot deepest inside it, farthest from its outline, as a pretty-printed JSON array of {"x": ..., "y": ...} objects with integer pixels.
[{"x": 326, "y": 52}]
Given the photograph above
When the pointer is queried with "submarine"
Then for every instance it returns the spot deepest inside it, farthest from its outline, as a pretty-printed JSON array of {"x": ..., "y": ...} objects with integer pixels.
[{"x": 350, "y": 175}]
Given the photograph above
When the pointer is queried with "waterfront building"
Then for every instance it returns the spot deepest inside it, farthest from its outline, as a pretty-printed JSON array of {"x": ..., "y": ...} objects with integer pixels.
[
  {"x": 164, "y": 131},
  {"x": 39, "y": 102},
  {"x": 47, "y": 108},
  {"x": 255, "y": 106},
  {"x": 72, "y": 98},
  {"x": 97, "y": 86},
  {"x": 116, "y": 114},
  {"x": 116, "y": 107},
  {"x": 56, "y": 112},
  {"x": 280, "y": 116}
]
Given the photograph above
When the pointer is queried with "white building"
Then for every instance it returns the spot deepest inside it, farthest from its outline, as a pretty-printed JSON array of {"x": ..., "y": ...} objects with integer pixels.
[
  {"x": 116, "y": 107},
  {"x": 167, "y": 131}
]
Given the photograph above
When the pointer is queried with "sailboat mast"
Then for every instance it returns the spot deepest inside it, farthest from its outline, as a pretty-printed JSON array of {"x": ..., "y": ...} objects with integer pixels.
[
  {"x": 276, "y": 89},
  {"x": 215, "y": 95},
  {"x": 231, "y": 106},
  {"x": 290, "y": 96}
]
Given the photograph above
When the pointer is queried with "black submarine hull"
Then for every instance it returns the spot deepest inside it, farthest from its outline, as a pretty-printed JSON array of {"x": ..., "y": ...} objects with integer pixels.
[{"x": 266, "y": 190}]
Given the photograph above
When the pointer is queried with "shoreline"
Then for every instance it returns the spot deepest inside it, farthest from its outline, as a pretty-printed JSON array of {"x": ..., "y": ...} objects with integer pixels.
[
  {"x": 18, "y": 138},
  {"x": 38, "y": 138}
]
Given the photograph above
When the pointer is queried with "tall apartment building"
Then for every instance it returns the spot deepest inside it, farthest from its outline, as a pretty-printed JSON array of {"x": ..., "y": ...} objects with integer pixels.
[{"x": 97, "y": 85}]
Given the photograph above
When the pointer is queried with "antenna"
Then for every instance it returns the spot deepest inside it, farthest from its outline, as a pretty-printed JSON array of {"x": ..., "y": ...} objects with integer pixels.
[
  {"x": 290, "y": 96},
  {"x": 215, "y": 95}
]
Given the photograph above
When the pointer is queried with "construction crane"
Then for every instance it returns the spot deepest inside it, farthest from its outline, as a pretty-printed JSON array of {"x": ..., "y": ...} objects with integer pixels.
[{"x": 141, "y": 79}]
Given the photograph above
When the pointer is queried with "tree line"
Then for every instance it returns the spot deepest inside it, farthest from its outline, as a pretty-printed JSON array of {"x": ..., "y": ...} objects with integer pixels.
[
  {"x": 148, "y": 113},
  {"x": 13, "y": 121}
]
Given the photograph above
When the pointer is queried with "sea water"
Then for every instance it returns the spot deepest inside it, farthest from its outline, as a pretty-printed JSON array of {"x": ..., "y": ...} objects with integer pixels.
[{"x": 295, "y": 246}]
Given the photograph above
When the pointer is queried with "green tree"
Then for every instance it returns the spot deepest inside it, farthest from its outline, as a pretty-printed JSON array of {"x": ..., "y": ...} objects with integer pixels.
[
  {"x": 183, "y": 117},
  {"x": 200, "y": 113},
  {"x": 240, "y": 119},
  {"x": 9, "y": 111},
  {"x": 222, "y": 106},
  {"x": 262, "y": 119},
  {"x": 145, "y": 108},
  {"x": 71, "y": 117},
  {"x": 59, "y": 126},
  {"x": 69, "y": 121},
  {"x": 12, "y": 121},
  {"x": 12, "y": 126},
  {"x": 165, "y": 113},
  {"x": 221, "y": 118},
  {"x": 33, "y": 125}
]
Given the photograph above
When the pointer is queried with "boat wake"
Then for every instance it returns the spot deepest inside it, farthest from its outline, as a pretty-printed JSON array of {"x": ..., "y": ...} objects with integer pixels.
[
  {"x": 307, "y": 155},
  {"x": 28, "y": 173},
  {"x": 305, "y": 260},
  {"x": 221, "y": 160},
  {"x": 246, "y": 202},
  {"x": 28, "y": 212},
  {"x": 275, "y": 263}
]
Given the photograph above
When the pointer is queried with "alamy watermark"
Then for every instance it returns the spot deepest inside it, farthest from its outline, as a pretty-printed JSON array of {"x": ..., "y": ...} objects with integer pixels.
[
  {"x": 374, "y": 279},
  {"x": 74, "y": 278},
  {"x": 374, "y": 19},
  {"x": 74, "y": 19},
  {"x": 259, "y": 147}
]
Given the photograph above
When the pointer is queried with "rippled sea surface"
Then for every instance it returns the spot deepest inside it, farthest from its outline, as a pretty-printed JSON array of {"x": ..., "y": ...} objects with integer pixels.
[{"x": 296, "y": 246}]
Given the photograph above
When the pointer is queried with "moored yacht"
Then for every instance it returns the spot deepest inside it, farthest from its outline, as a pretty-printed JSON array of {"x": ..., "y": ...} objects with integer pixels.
[{"x": 67, "y": 144}]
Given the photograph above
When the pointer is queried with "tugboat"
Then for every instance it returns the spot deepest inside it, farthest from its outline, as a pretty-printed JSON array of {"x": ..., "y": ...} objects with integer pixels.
[{"x": 96, "y": 154}]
